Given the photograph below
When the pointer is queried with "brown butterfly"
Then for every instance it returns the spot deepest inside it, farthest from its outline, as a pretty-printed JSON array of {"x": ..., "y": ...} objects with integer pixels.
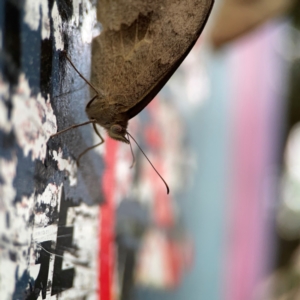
[{"x": 142, "y": 44}]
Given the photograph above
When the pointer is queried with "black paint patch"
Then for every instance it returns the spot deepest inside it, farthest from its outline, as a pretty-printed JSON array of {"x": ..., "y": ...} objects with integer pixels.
[
  {"x": 47, "y": 51},
  {"x": 7, "y": 144},
  {"x": 1, "y": 180},
  {"x": 31, "y": 56},
  {"x": 34, "y": 176},
  {"x": 43, "y": 175},
  {"x": 65, "y": 9},
  {"x": 12, "y": 256},
  {"x": 21, "y": 286},
  {"x": 46, "y": 67},
  {"x": 40, "y": 284},
  {"x": 63, "y": 279},
  {"x": 11, "y": 42},
  {"x": 51, "y": 212},
  {"x": 7, "y": 219},
  {"x": 24, "y": 179}
]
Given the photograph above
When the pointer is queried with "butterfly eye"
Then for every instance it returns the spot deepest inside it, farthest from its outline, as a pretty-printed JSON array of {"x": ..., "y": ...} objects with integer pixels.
[{"x": 116, "y": 128}]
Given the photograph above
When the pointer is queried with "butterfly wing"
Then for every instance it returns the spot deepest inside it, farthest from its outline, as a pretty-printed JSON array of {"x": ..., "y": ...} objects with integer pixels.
[{"x": 141, "y": 46}]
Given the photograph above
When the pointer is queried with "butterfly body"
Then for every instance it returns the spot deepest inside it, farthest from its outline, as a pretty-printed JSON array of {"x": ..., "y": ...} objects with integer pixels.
[{"x": 109, "y": 117}]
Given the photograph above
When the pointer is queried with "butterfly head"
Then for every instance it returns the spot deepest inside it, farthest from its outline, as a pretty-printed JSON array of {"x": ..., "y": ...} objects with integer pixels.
[{"x": 118, "y": 133}]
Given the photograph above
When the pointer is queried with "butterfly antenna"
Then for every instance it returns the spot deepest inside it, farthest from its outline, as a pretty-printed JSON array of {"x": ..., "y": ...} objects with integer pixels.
[
  {"x": 168, "y": 190},
  {"x": 133, "y": 157}
]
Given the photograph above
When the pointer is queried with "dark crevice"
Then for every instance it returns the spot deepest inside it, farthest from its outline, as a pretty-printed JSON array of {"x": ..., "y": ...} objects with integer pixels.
[
  {"x": 65, "y": 9},
  {"x": 11, "y": 43}
]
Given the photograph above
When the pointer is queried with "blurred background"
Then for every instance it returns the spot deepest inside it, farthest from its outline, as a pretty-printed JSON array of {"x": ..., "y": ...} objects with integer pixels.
[{"x": 230, "y": 229}]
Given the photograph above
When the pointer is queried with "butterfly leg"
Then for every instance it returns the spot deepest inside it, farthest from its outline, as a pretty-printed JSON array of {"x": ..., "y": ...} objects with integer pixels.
[
  {"x": 77, "y": 125},
  {"x": 133, "y": 157},
  {"x": 92, "y": 147},
  {"x": 72, "y": 127},
  {"x": 68, "y": 58}
]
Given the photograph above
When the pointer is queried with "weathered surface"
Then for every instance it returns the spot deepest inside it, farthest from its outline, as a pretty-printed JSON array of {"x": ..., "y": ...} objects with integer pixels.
[{"x": 48, "y": 206}]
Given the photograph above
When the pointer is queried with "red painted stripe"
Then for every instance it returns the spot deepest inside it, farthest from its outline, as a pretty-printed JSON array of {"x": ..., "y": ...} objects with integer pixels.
[{"x": 107, "y": 223}]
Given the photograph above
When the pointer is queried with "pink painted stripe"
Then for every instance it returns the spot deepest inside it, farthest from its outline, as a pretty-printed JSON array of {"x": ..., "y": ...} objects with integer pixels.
[{"x": 252, "y": 100}]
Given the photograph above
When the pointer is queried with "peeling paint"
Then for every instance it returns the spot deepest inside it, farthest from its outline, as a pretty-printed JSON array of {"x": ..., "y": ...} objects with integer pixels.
[
  {"x": 83, "y": 253},
  {"x": 5, "y": 125},
  {"x": 7, "y": 174},
  {"x": 85, "y": 237},
  {"x": 15, "y": 238},
  {"x": 36, "y": 12},
  {"x": 33, "y": 121},
  {"x": 52, "y": 211},
  {"x": 67, "y": 165},
  {"x": 89, "y": 21},
  {"x": 57, "y": 24}
]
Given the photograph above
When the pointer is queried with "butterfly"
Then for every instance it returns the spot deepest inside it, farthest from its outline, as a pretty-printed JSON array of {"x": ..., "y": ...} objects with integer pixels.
[{"x": 141, "y": 45}]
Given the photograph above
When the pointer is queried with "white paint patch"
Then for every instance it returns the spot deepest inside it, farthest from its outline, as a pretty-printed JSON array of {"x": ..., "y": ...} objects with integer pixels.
[
  {"x": 33, "y": 121},
  {"x": 58, "y": 27},
  {"x": 36, "y": 12},
  {"x": 45, "y": 20},
  {"x": 13, "y": 229},
  {"x": 5, "y": 125},
  {"x": 41, "y": 234},
  {"x": 7, "y": 191},
  {"x": 67, "y": 165},
  {"x": 75, "y": 18},
  {"x": 7, "y": 275},
  {"x": 50, "y": 195},
  {"x": 85, "y": 220},
  {"x": 89, "y": 22}
]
